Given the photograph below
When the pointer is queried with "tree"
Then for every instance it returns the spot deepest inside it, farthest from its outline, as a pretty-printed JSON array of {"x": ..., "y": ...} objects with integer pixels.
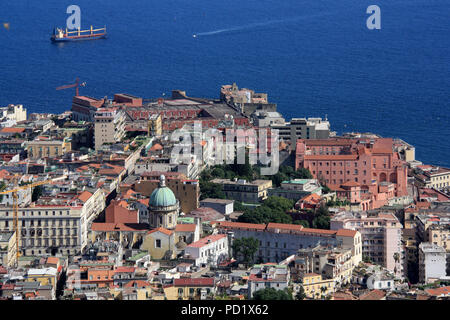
[
  {"x": 301, "y": 295},
  {"x": 211, "y": 190},
  {"x": 272, "y": 294},
  {"x": 37, "y": 193},
  {"x": 273, "y": 209},
  {"x": 322, "y": 218},
  {"x": 244, "y": 249},
  {"x": 304, "y": 223}
]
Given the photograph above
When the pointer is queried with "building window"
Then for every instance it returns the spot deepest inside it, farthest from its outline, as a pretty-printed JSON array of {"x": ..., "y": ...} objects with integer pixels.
[{"x": 158, "y": 243}]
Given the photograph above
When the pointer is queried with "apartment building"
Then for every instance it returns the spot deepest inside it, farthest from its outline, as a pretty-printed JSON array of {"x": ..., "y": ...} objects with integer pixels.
[
  {"x": 432, "y": 262},
  {"x": 109, "y": 126},
  {"x": 316, "y": 286},
  {"x": 8, "y": 249},
  {"x": 189, "y": 289},
  {"x": 268, "y": 275},
  {"x": 277, "y": 241},
  {"x": 433, "y": 177},
  {"x": 245, "y": 191},
  {"x": 329, "y": 262},
  {"x": 38, "y": 149},
  {"x": 439, "y": 235},
  {"x": 302, "y": 128},
  {"x": 55, "y": 228},
  {"x": 210, "y": 250},
  {"x": 381, "y": 235}
]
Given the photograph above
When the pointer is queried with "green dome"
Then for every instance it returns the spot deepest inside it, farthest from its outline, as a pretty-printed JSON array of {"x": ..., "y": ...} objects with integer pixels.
[{"x": 162, "y": 196}]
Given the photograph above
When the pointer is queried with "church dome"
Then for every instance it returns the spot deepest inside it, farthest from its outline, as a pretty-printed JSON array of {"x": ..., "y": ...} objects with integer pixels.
[{"x": 162, "y": 196}]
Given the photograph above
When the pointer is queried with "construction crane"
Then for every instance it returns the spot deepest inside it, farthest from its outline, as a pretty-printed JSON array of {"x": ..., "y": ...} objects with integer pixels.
[
  {"x": 16, "y": 204},
  {"x": 75, "y": 85}
]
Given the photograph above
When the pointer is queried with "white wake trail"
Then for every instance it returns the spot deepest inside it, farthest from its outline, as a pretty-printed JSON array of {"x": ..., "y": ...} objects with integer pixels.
[{"x": 257, "y": 24}]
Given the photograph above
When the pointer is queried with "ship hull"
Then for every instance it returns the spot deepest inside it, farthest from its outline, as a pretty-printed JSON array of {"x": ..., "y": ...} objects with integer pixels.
[{"x": 79, "y": 38}]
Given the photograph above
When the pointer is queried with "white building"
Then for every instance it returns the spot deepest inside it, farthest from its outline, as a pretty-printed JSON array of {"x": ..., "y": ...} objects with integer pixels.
[
  {"x": 268, "y": 276},
  {"x": 210, "y": 250},
  {"x": 13, "y": 112},
  {"x": 432, "y": 262},
  {"x": 224, "y": 206}
]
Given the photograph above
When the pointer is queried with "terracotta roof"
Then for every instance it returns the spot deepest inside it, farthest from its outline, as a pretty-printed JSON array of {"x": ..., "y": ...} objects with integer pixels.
[
  {"x": 193, "y": 282},
  {"x": 107, "y": 227},
  {"x": 52, "y": 260},
  {"x": 346, "y": 233},
  {"x": 124, "y": 269},
  {"x": 185, "y": 227},
  {"x": 209, "y": 239},
  {"x": 442, "y": 291},
  {"x": 373, "y": 295},
  {"x": 162, "y": 230},
  {"x": 12, "y": 130},
  {"x": 241, "y": 225},
  {"x": 84, "y": 196}
]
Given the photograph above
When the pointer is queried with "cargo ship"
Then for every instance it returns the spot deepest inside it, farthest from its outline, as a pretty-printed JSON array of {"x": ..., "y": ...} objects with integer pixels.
[{"x": 60, "y": 35}]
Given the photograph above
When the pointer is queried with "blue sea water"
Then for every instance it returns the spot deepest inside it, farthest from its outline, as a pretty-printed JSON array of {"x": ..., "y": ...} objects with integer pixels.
[{"x": 313, "y": 58}]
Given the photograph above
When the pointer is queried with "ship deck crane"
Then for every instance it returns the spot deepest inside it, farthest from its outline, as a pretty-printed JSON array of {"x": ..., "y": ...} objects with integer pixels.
[
  {"x": 75, "y": 85},
  {"x": 16, "y": 204}
]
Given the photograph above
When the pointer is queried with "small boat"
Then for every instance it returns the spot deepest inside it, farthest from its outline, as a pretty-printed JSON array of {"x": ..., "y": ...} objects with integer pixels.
[{"x": 60, "y": 35}]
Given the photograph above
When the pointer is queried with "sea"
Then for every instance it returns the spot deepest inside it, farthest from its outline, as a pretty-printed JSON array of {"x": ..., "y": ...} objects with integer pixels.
[{"x": 314, "y": 58}]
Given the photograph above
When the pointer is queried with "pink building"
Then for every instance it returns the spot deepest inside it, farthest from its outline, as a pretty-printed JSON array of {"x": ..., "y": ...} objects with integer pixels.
[
  {"x": 381, "y": 235},
  {"x": 371, "y": 165}
]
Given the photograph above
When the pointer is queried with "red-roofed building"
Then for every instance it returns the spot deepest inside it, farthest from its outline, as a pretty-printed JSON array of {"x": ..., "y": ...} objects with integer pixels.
[
  {"x": 277, "y": 241},
  {"x": 210, "y": 250},
  {"x": 190, "y": 288},
  {"x": 340, "y": 160}
]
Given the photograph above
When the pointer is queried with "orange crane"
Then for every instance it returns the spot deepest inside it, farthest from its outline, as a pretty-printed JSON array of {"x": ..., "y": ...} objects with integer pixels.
[
  {"x": 75, "y": 85},
  {"x": 16, "y": 205}
]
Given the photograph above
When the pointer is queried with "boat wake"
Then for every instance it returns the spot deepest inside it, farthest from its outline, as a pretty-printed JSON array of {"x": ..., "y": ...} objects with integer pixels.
[{"x": 255, "y": 25}]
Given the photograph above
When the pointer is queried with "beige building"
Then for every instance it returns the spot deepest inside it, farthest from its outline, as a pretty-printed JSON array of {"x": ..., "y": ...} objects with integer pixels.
[
  {"x": 381, "y": 235},
  {"x": 8, "y": 249},
  {"x": 109, "y": 126},
  {"x": 439, "y": 235},
  {"x": 433, "y": 177},
  {"x": 245, "y": 191},
  {"x": 13, "y": 112},
  {"x": 160, "y": 244},
  {"x": 38, "y": 149},
  {"x": 316, "y": 287},
  {"x": 332, "y": 263},
  {"x": 61, "y": 229},
  {"x": 155, "y": 125}
]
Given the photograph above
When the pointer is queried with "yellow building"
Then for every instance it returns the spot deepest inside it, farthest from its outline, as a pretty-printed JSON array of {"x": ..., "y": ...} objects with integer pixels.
[
  {"x": 316, "y": 287},
  {"x": 155, "y": 125},
  {"x": 8, "y": 249},
  {"x": 439, "y": 235},
  {"x": 160, "y": 244},
  {"x": 190, "y": 289},
  {"x": 38, "y": 149}
]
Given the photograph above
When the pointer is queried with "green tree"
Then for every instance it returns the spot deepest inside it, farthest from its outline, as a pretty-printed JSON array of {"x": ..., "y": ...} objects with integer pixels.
[
  {"x": 304, "y": 223},
  {"x": 244, "y": 249},
  {"x": 211, "y": 190},
  {"x": 273, "y": 209},
  {"x": 272, "y": 294},
  {"x": 300, "y": 295},
  {"x": 322, "y": 218}
]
